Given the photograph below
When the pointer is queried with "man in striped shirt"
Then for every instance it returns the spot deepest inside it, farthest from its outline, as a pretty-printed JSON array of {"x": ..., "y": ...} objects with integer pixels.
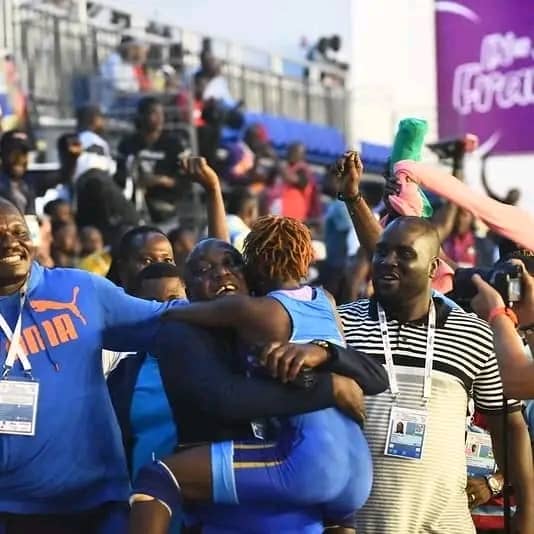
[{"x": 436, "y": 355}]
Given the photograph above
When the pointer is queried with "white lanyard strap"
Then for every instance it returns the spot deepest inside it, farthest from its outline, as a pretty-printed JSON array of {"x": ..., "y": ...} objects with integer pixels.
[
  {"x": 429, "y": 357},
  {"x": 15, "y": 350},
  {"x": 388, "y": 353}
]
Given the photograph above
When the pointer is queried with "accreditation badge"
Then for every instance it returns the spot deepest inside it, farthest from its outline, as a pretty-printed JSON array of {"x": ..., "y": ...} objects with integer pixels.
[
  {"x": 406, "y": 433},
  {"x": 19, "y": 399}
]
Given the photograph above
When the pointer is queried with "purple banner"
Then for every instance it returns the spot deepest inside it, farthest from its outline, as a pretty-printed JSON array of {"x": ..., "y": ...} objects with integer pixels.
[{"x": 485, "y": 62}]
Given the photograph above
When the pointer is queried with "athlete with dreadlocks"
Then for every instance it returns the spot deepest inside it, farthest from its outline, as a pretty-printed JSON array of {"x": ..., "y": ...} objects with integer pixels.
[{"x": 318, "y": 459}]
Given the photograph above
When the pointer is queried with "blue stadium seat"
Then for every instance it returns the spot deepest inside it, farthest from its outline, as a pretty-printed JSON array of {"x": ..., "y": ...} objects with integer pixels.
[
  {"x": 375, "y": 157},
  {"x": 324, "y": 143}
]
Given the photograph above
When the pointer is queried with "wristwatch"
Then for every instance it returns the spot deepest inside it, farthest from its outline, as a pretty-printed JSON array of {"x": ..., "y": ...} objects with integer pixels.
[
  {"x": 494, "y": 484},
  {"x": 321, "y": 343}
]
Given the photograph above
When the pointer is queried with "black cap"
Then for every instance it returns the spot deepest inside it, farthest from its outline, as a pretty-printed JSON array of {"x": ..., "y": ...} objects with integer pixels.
[{"x": 14, "y": 140}]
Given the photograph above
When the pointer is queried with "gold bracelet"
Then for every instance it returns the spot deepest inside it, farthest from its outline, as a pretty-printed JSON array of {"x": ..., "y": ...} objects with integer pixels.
[{"x": 355, "y": 198}]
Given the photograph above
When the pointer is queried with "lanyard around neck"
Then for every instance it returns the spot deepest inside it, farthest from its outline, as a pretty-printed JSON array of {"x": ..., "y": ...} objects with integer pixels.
[
  {"x": 388, "y": 354},
  {"x": 15, "y": 349}
]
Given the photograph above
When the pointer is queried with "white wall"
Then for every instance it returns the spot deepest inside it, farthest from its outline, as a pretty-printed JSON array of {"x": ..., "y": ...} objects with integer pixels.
[{"x": 394, "y": 75}]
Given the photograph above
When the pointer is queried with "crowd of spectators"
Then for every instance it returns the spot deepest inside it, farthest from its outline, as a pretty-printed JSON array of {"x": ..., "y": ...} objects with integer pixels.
[
  {"x": 293, "y": 296},
  {"x": 109, "y": 183}
]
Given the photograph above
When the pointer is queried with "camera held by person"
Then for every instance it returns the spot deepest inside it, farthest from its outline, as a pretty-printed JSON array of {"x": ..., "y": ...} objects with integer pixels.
[
  {"x": 513, "y": 327},
  {"x": 505, "y": 278}
]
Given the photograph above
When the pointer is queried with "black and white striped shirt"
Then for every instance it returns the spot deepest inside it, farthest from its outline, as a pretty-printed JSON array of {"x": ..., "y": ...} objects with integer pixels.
[{"x": 428, "y": 495}]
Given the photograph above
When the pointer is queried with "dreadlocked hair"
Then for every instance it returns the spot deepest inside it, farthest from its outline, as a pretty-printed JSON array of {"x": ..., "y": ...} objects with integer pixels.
[{"x": 278, "y": 249}]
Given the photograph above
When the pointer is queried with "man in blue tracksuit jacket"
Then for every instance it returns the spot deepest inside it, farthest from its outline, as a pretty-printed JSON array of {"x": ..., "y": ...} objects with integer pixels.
[{"x": 71, "y": 475}]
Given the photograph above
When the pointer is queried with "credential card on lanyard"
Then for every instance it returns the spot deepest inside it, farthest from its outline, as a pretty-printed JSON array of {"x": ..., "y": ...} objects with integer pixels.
[
  {"x": 479, "y": 454},
  {"x": 406, "y": 433},
  {"x": 388, "y": 353},
  {"x": 18, "y": 406}
]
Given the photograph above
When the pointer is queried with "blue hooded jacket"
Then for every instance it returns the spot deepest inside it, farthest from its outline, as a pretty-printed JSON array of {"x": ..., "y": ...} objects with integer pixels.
[{"x": 76, "y": 460}]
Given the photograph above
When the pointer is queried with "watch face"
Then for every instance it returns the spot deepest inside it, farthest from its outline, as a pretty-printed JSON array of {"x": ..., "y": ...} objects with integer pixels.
[{"x": 494, "y": 484}]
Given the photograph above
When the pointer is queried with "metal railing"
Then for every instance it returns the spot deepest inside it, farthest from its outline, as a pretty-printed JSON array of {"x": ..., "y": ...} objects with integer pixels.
[{"x": 55, "y": 50}]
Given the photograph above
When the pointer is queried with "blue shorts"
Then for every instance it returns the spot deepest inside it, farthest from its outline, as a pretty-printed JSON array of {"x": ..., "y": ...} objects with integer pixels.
[{"x": 320, "y": 459}]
